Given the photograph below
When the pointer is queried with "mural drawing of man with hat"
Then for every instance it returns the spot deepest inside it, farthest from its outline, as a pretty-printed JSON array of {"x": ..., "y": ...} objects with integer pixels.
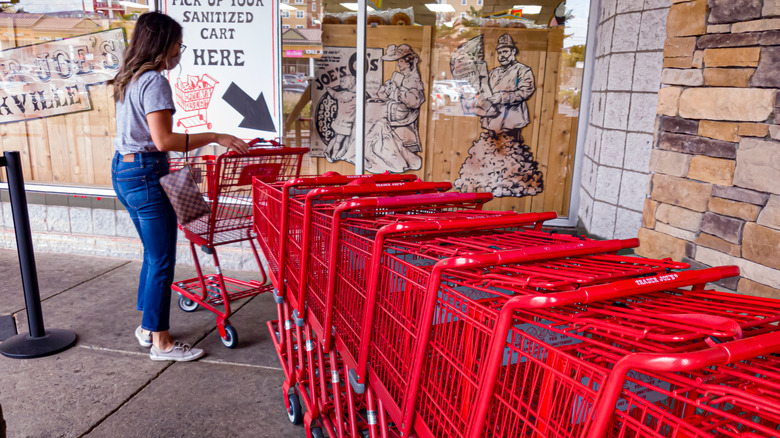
[
  {"x": 405, "y": 92},
  {"x": 512, "y": 84},
  {"x": 499, "y": 161}
]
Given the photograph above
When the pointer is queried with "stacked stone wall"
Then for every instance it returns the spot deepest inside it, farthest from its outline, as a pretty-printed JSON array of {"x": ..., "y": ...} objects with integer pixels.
[{"x": 714, "y": 197}]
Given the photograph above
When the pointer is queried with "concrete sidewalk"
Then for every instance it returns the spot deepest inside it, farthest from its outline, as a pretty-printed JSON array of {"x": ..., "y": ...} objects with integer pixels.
[{"x": 106, "y": 386}]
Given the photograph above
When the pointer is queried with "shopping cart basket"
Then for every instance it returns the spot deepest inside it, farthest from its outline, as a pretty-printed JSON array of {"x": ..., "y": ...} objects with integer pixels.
[
  {"x": 271, "y": 212},
  {"x": 299, "y": 205},
  {"x": 556, "y": 361},
  {"x": 226, "y": 183},
  {"x": 400, "y": 307}
]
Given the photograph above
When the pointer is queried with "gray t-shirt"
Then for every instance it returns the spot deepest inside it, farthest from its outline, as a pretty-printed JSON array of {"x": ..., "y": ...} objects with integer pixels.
[{"x": 149, "y": 93}]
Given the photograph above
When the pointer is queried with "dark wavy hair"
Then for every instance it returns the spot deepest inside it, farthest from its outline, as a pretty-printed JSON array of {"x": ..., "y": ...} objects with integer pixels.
[{"x": 153, "y": 37}]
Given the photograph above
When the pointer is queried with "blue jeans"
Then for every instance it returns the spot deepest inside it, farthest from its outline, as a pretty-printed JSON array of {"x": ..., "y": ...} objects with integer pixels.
[{"x": 137, "y": 185}]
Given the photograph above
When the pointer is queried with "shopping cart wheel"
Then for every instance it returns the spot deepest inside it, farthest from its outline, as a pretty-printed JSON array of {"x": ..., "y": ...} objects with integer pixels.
[
  {"x": 316, "y": 432},
  {"x": 187, "y": 304},
  {"x": 294, "y": 413},
  {"x": 231, "y": 337}
]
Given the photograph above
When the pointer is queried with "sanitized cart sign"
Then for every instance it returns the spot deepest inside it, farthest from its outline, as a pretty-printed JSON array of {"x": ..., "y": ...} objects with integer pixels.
[{"x": 227, "y": 79}]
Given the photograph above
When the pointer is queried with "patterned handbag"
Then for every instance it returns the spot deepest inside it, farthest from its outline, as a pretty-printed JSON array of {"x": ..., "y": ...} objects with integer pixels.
[{"x": 183, "y": 192}]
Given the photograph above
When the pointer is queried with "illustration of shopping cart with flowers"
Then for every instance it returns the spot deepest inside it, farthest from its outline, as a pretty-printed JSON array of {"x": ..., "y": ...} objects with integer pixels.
[{"x": 194, "y": 94}]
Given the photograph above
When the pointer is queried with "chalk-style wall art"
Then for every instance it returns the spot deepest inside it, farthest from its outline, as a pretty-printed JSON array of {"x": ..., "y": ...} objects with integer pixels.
[{"x": 499, "y": 161}]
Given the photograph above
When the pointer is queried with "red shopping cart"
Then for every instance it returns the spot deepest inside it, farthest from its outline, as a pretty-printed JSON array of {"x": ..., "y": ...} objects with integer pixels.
[
  {"x": 194, "y": 94},
  {"x": 399, "y": 304},
  {"x": 569, "y": 364},
  {"x": 226, "y": 183},
  {"x": 298, "y": 205}
]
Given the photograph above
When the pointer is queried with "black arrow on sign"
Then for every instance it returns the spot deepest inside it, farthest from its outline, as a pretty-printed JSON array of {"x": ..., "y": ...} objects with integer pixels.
[{"x": 255, "y": 112}]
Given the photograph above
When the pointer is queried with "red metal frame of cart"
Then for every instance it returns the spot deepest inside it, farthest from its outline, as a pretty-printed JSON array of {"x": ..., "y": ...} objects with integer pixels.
[
  {"x": 391, "y": 330},
  {"x": 730, "y": 389},
  {"x": 274, "y": 230},
  {"x": 323, "y": 218},
  {"x": 580, "y": 379},
  {"x": 292, "y": 219},
  {"x": 300, "y": 208},
  {"x": 226, "y": 183},
  {"x": 194, "y": 94},
  {"x": 271, "y": 212},
  {"x": 479, "y": 223}
]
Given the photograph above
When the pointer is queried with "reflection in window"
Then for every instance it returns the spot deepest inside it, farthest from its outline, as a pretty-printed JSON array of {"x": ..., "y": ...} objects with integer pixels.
[{"x": 57, "y": 57}]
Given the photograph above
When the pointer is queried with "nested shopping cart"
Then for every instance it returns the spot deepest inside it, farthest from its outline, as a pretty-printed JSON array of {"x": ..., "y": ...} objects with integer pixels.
[
  {"x": 298, "y": 206},
  {"x": 399, "y": 304},
  {"x": 226, "y": 184},
  {"x": 639, "y": 357}
]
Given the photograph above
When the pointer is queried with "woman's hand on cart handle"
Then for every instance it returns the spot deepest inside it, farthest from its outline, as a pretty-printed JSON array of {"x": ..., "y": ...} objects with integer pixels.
[{"x": 233, "y": 143}]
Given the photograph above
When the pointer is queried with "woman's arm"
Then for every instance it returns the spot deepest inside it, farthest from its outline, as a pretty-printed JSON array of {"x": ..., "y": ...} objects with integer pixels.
[{"x": 161, "y": 128}]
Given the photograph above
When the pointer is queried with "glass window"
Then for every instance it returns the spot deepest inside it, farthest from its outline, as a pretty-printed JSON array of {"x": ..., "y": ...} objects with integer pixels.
[
  {"x": 486, "y": 98},
  {"x": 299, "y": 14},
  {"x": 299, "y": 26},
  {"x": 57, "y": 57},
  {"x": 285, "y": 26},
  {"x": 299, "y": 2},
  {"x": 314, "y": 7},
  {"x": 285, "y": 14}
]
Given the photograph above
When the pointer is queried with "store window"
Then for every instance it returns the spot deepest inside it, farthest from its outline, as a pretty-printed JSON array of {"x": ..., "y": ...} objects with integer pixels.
[
  {"x": 485, "y": 97},
  {"x": 56, "y": 59}
]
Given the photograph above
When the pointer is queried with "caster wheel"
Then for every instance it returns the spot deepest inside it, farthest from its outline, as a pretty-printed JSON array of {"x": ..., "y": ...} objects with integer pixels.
[
  {"x": 231, "y": 337},
  {"x": 294, "y": 412},
  {"x": 187, "y": 304},
  {"x": 316, "y": 432}
]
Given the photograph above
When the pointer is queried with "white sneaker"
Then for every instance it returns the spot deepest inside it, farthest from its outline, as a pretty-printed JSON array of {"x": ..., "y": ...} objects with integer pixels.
[
  {"x": 180, "y": 353},
  {"x": 144, "y": 340}
]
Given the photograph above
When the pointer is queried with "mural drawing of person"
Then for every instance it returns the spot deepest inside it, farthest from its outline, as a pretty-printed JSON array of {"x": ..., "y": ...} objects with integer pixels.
[
  {"x": 512, "y": 84},
  {"x": 499, "y": 161},
  {"x": 393, "y": 138},
  {"x": 344, "y": 123}
]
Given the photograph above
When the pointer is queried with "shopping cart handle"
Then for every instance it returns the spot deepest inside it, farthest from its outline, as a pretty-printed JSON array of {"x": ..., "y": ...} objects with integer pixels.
[
  {"x": 259, "y": 140},
  {"x": 721, "y": 354}
]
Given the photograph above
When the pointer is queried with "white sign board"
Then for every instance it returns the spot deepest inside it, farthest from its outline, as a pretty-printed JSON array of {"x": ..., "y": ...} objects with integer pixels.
[{"x": 228, "y": 79}]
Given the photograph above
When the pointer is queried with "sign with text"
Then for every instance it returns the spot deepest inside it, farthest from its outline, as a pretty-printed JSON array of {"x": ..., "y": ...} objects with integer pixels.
[
  {"x": 52, "y": 78},
  {"x": 227, "y": 80}
]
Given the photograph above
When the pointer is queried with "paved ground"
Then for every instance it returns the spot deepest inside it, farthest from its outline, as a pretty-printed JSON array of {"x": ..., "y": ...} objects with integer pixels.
[{"x": 106, "y": 386}]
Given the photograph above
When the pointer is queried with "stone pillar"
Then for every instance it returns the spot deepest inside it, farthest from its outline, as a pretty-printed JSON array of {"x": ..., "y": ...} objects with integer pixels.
[
  {"x": 627, "y": 75},
  {"x": 715, "y": 190}
]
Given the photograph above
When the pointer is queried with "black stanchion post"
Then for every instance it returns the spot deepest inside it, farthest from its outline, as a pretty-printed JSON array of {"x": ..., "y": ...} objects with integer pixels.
[{"x": 39, "y": 342}]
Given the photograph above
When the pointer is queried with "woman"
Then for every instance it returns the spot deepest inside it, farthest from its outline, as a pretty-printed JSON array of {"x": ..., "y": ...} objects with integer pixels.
[{"x": 144, "y": 119}]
